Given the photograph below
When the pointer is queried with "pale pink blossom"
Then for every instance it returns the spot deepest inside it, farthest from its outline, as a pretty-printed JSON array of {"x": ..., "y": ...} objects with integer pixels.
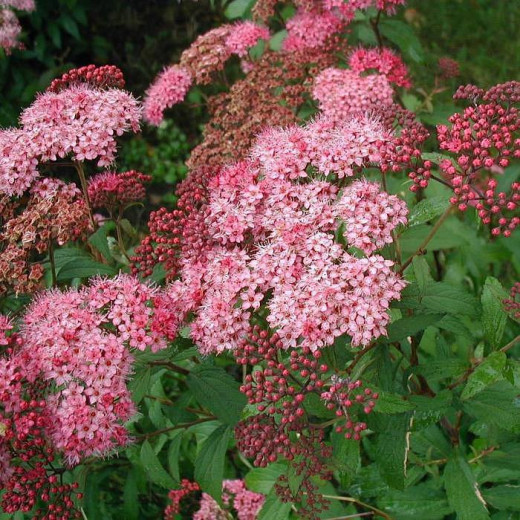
[{"x": 169, "y": 88}]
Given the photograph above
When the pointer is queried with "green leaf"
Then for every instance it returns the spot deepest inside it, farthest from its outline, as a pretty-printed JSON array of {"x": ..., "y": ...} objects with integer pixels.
[
  {"x": 70, "y": 25},
  {"x": 427, "y": 210},
  {"x": 153, "y": 468},
  {"x": 462, "y": 490},
  {"x": 215, "y": 389},
  {"x": 488, "y": 372},
  {"x": 100, "y": 242},
  {"x": 173, "y": 454},
  {"x": 404, "y": 37},
  {"x": 209, "y": 465},
  {"x": 131, "y": 497},
  {"x": 83, "y": 268},
  {"x": 417, "y": 502},
  {"x": 237, "y": 8},
  {"x": 262, "y": 480},
  {"x": 275, "y": 43},
  {"x": 392, "y": 403},
  {"x": 498, "y": 405},
  {"x": 443, "y": 297},
  {"x": 410, "y": 325},
  {"x": 140, "y": 384},
  {"x": 392, "y": 448},
  {"x": 274, "y": 508},
  {"x": 346, "y": 457},
  {"x": 422, "y": 273},
  {"x": 503, "y": 497},
  {"x": 494, "y": 317}
]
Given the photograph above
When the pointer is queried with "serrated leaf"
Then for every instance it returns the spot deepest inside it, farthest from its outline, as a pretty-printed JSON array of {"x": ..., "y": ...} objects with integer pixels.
[
  {"x": 498, "y": 405},
  {"x": 463, "y": 492},
  {"x": 494, "y": 317},
  {"x": 215, "y": 389},
  {"x": 131, "y": 497},
  {"x": 417, "y": 502},
  {"x": 274, "y": 508},
  {"x": 404, "y": 37},
  {"x": 154, "y": 469},
  {"x": 139, "y": 384},
  {"x": 422, "y": 273},
  {"x": 443, "y": 297},
  {"x": 392, "y": 403},
  {"x": 410, "y": 325},
  {"x": 505, "y": 497},
  {"x": 427, "y": 210},
  {"x": 173, "y": 454},
  {"x": 392, "y": 448},
  {"x": 488, "y": 372},
  {"x": 209, "y": 464}
]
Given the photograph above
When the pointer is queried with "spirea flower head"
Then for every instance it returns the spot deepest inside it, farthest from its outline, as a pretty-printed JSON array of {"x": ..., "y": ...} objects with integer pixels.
[
  {"x": 20, "y": 5},
  {"x": 384, "y": 61},
  {"x": 79, "y": 343},
  {"x": 10, "y": 29},
  {"x": 244, "y": 35},
  {"x": 308, "y": 30},
  {"x": 112, "y": 191},
  {"x": 169, "y": 88},
  {"x": 341, "y": 93},
  {"x": 448, "y": 67},
  {"x": 312, "y": 289},
  {"x": 207, "y": 54}
]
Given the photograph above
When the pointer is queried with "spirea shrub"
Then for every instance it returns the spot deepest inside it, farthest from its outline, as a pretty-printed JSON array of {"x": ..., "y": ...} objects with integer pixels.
[{"x": 323, "y": 326}]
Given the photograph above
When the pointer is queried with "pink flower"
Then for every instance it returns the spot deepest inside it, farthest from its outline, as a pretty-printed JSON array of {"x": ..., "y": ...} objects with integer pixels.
[
  {"x": 10, "y": 29},
  {"x": 341, "y": 93},
  {"x": 309, "y": 30},
  {"x": 169, "y": 88},
  {"x": 384, "y": 61},
  {"x": 244, "y": 35}
]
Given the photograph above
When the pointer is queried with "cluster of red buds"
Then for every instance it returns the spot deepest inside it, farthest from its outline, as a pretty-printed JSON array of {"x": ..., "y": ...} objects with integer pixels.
[
  {"x": 107, "y": 76},
  {"x": 512, "y": 304},
  {"x": 280, "y": 387},
  {"x": 34, "y": 483},
  {"x": 344, "y": 396}
]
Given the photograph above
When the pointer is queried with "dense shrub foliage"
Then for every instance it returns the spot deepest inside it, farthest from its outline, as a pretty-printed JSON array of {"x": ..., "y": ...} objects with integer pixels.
[{"x": 324, "y": 321}]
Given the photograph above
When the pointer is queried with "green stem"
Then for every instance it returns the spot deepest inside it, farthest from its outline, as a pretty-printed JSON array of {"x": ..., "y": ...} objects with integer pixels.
[
  {"x": 177, "y": 427},
  {"x": 426, "y": 241},
  {"x": 353, "y": 500},
  {"x": 84, "y": 188},
  {"x": 171, "y": 366}
]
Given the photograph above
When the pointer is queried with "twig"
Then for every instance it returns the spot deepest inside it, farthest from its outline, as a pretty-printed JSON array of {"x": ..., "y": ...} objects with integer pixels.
[
  {"x": 358, "y": 515},
  {"x": 426, "y": 241},
  {"x": 171, "y": 366},
  {"x": 362, "y": 504},
  {"x": 375, "y": 28},
  {"x": 53, "y": 264},
  {"x": 176, "y": 427}
]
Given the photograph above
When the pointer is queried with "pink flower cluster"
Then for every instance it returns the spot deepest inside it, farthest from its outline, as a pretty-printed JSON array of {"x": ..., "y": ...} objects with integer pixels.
[
  {"x": 169, "y": 88},
  {"x": 80, "y": 122},
  {"x": 207, "y": 55},
  {"x": 115, "y": 191},
  {"x": 309, "y": 30},
  {"x": 272, "y": 219},
  {"x": 10, "y": 27},
  {"x": 235, "y": 497},
  {"x": 342, "y": 92},
  {"x": 384, "y": 61},
  {"x": 78, "y": 343}
]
